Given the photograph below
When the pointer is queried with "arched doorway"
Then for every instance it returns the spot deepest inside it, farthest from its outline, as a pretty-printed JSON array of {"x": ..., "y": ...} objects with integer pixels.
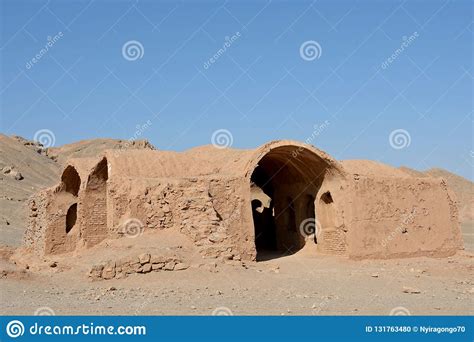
[
  {"x": 291, "y": 181},
  {"x": 70, "y": 181},
  {"x": 60, "y": 235},
  {"x": 71, "y": 217}
]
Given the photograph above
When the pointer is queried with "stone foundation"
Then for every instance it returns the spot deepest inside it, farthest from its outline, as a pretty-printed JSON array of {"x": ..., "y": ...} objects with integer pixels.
[{"x": 143, "y": 263}]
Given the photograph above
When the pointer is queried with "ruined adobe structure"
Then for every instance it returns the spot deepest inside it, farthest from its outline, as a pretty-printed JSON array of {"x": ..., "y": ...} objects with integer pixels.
[{"x": 245, "y": 202}]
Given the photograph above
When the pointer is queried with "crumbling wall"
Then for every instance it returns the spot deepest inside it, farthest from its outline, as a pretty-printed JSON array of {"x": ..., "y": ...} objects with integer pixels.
[
  {"x": 34, "y": 236},
  {"x": 57, "y": 238},
  {"x": 53, "y": 227},
  {"x": 207, "y": 210},
  {"x": 360, "y": 216},
  {"x": 401, "y": 217}
]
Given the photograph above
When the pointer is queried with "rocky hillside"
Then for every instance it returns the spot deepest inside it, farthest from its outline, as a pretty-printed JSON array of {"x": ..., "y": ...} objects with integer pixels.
[
  {"x": 91, "y": 148},
  {"x": 27, "y": 167}
]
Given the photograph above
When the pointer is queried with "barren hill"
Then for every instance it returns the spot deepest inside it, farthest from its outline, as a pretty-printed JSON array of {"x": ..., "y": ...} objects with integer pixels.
[
  {"x": 93, "y": 147},
  {"x": 27, "y": 167}
]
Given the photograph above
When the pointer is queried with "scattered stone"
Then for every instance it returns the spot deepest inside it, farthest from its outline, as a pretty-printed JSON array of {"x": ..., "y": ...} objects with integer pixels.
[
  {"x": 109, "y": 271},
  {"x": 53, "y": 264},
  {"x": 144, "y": 258},
  {"x": 10, "y": 171},
  {"x": 146, "y": 268},
  {"x": 181, "y": 266},
  {"x": 169, "y": 266},
  {"x": 157, "y": 259},
  {"x": 17, "y": 175},
  {"x": 156, "y": 267},
  {"x": 6, "y": 170},
  {"x": 411, "y": 290},
  {"x": 96, "y": 272},
  {"x": 275, "y": 269},
  {"x": 227, "y": 256}
]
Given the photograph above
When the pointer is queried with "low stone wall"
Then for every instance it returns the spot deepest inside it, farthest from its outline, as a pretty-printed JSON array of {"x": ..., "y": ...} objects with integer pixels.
[{"x": 143, "y": 263}]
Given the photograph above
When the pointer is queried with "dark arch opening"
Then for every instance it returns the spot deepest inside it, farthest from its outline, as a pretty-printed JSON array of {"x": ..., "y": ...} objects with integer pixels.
[
  {"x": 326, "y": 198},
  {"x": 71, "y": 181},
  {"x": 71, "y": 217},
  {"x": 99, "y": 176},
  {"x": 291, "y": 181},
  {"x": 327, "y": 215}
]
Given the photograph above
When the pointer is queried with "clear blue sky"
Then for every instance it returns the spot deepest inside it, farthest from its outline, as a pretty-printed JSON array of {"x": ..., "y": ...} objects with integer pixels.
[{"x": 260, "y": 88}]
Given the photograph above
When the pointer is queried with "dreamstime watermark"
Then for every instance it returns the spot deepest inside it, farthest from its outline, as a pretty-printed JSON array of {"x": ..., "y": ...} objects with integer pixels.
[
  {"x": 133, "y": 50},
  {"x": 406, "y": 42},
  {"x": 400, "y": 311},
  {"x": 317, "y": 130},
  {"x": 310, "y": 228},
  {"x": 310, "y": 50},
  {"x": 316, "y": 310},
  {"x": 44, "y": 311},
  {"x": 139, "y": 130},
  {"x": 399, "y": 139},
  {"x": 51, "y": 41},
  {"x": 227, "y": 44},
  {"x": 222, "y": 311},
  {"x": 45, "y": 137},
  {"x": 132, "y": 228},
  {"x": 16, "y": 328},
  {"x": 401, "y": 229},
  {"x": 222, "y": 138}
]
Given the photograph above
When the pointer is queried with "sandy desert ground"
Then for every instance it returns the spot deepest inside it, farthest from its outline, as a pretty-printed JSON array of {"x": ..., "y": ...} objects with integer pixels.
[{"x": 291, "y": 285}]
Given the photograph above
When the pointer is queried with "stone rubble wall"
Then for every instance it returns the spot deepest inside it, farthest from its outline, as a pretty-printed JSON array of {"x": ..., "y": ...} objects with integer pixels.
[
  {"x": 208, "y": 211},
  {"x": 143, "y": 263}
]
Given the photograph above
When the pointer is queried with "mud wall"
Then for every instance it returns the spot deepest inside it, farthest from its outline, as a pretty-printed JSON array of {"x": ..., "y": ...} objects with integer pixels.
[
  {"x": 48, "y": 222},
  {"x": 34, "y": 237},
  {"x": 207, "y": 210},
  {"x": 94, "y": 206},
  {"x": 331, "y": 204},
  {"x": 401, "y": 217}
]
